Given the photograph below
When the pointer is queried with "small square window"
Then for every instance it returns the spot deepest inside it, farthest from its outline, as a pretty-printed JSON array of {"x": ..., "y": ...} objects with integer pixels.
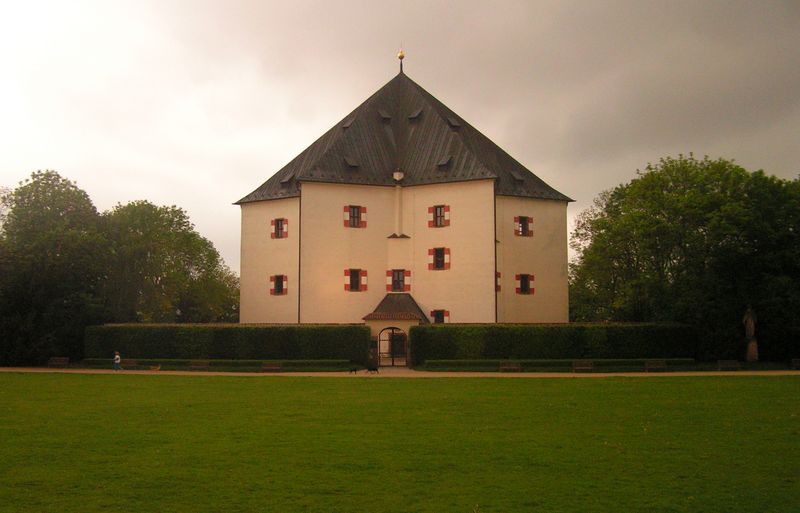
[
  {"x": 523, "y": 226},
  {"x": 439, "y": 259},
  {"x": 438, "y": 216},
  {"x": 279, "y": 233},
  {"x": 438, "y": 316},
  {"x": 355, "y": 216}
]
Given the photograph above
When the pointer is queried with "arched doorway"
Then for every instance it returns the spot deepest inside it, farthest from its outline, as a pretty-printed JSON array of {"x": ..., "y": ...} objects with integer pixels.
[{"x": 392, "y": 347}]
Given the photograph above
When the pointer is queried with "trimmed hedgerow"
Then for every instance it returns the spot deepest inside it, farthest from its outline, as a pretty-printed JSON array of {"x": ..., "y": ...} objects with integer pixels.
[
  {"x": 229, "y": 341},
  {"x": 224, "y": 365},
  {"x": 551, "y": 365},
  {"x": 551, "y": 341}
]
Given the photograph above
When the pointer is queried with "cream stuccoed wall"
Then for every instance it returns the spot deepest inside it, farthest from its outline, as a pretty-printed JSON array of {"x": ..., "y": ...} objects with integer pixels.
[
  {"x": 543, "y": 255},
  {"x": 328, "y": 248},
  {"x": 466, "y": 289},
  {"x": 263, "y": 257}
]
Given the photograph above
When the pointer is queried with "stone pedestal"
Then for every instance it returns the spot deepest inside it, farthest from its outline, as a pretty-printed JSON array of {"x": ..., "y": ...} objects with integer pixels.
[{"x": 752, "y": 351}]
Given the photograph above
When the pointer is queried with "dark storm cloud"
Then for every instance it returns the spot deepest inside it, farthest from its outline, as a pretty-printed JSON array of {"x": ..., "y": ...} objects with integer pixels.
[{"x": 577, "y": 82}]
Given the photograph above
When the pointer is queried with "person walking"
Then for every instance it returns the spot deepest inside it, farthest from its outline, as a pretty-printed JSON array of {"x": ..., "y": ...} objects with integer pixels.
[{"x": 117, "y": 361}]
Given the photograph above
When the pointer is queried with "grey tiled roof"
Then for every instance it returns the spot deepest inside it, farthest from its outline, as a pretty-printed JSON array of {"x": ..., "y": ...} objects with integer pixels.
[
  {"x": 403, "y": 127},
  {"x": 397, "y": 306}
]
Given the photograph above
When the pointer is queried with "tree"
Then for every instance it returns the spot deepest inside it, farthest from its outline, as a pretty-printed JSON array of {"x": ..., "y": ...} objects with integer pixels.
[
  {"x": 694, "y": 241},
  {"x": 162, "y": 270},
  {"x": 52, "y": 257},
  {"x": 4, "y": 205}
]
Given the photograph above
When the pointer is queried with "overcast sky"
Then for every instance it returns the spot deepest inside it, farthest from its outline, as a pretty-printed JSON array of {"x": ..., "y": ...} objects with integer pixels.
[{"x": 197, "y": 103}]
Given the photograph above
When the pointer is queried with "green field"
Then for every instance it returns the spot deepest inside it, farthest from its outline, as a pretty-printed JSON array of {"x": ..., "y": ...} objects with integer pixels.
[{"x": 86, "y": 443}]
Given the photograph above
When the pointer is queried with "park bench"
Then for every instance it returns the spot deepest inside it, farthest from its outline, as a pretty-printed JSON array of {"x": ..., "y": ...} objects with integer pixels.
[
  {"x": 510, "y": 367},
  {"x": 729, "y": 365},
  {"x": 655, "y": 365},
  {"x": 58, "y": 361},
  {"x": 129, "y": 363},
  {"x": 582, "y": 365},
  {"x": 795, "y": 363},
  {"x": 372, "y": 367},
  {"x": 270, "y": 367},
  {"x": 199, "y": 365}
]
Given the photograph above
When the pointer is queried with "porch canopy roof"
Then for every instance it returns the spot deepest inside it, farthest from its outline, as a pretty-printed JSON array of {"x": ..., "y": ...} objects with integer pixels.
[{"x": 398, "y": 306}]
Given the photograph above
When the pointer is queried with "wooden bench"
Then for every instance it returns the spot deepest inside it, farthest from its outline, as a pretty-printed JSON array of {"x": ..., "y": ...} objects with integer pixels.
[
  {"x": 655, "y": 365},
  {"x": 128, "y": 363},
  {"x": 510, "y": 367},
  {"x": 729, "y": 365},
  {"x": 795, "y": 363},
  {"x": 582, "y": 365},
  {"x": 372, "y": 367},
  {"x": 58, "y": 361},
  {"x": 199, "y": 365},
  {"x": 270, "y": 367}
]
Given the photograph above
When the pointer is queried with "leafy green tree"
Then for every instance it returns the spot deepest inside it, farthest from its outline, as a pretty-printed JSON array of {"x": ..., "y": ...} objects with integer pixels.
[
  {"x": 694, "y": 241},
  {"x": 4, "y": 203},
  {"x": 52, "y": 258},
  {"x": 162, "y": 270}
]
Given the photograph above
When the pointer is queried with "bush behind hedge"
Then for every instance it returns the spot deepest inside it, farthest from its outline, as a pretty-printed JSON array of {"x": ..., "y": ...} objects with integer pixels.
[
  {"x": 551, "y": 341},
  {"x": 229, "y": 341}
]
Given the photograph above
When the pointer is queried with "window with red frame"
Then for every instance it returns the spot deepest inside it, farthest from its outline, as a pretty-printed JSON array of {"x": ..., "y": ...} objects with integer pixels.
[
  {"x": 439, "y": 259},
  {"x": 438, "y": 216},
  {"x": 523, "y": 226},
  {"x": 279, "y": 228},
  {"x": 440, "y": 316},
  {"x": 355, "y": 280},
  {"x": 524, "y": 283},
  {"x": 355, "y": 216},
  {"x": 398, "y": 280},
  {"x": 277, "y": 285}
]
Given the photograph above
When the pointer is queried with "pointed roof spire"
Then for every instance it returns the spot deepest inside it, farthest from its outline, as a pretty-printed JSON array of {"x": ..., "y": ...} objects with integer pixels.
[{"x": 401, "y": 56}]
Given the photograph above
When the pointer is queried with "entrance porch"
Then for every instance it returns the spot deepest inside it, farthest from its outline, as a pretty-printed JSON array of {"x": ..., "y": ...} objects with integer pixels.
[{"x": 389, "y": 325}]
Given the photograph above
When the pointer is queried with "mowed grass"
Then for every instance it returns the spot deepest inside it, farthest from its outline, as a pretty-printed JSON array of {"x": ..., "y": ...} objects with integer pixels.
[{"x": 86, "y": 443}]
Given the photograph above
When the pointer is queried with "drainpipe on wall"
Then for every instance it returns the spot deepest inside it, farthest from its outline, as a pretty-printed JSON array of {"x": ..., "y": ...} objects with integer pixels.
[{"x": 299, "y": 245}]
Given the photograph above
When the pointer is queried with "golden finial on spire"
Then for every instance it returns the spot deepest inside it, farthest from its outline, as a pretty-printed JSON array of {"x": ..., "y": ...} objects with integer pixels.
[{"x": 401, "y": 56}]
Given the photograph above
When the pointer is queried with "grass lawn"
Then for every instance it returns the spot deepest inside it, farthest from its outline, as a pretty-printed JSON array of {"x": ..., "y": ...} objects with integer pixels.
[{"x": 86, "y": 443}]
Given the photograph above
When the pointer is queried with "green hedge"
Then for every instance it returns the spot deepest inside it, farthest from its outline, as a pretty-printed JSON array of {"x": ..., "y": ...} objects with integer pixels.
[
  {"x": 229, "y": 341},
  {"x": 551, "y": 341},
  {"x": 549, "y": 364},
  {"x": 227, "y": 365}
]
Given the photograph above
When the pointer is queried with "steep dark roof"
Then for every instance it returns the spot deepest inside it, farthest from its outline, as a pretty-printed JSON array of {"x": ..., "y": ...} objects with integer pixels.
[
  {"x": 397, "y": 306},
  {"x": 403, "y": 127}
]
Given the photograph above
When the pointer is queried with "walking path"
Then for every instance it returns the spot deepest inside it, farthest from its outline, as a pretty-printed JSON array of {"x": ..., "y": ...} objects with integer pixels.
[{"x": 404, "y": 372}]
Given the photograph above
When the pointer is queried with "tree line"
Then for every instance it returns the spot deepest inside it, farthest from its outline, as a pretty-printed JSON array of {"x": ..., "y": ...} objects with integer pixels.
[
  {"x": 64, "y": 265},
  {"x": 696, "y": 241}
]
